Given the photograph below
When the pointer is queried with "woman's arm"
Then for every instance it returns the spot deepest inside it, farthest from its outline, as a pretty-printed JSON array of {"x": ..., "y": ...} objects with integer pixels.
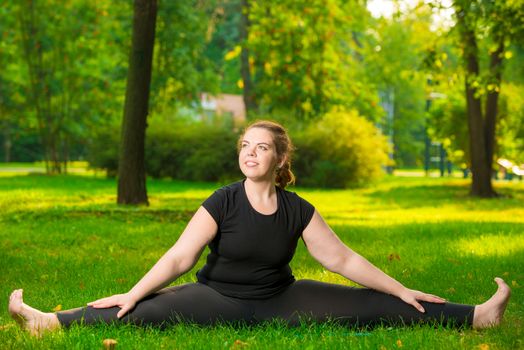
[
  {"x": 334, "y": 255},
  {"x": 200, "y": 230}
]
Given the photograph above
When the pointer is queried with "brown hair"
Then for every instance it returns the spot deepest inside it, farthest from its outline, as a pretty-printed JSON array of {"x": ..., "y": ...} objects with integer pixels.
[{"x": 283, "y": 146}]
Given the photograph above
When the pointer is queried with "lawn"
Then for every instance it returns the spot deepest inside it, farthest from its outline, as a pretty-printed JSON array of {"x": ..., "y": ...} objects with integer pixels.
[{"x": 66, "y": 243}]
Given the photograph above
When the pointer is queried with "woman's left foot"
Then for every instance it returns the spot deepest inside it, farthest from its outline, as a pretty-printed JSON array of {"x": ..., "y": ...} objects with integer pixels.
[
  {"x": 490, "y": 313},
  {"x": 33, "y": 320}
]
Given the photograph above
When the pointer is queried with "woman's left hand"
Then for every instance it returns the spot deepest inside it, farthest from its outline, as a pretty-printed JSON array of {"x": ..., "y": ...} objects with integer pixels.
[{"x": 412, "y": 297}]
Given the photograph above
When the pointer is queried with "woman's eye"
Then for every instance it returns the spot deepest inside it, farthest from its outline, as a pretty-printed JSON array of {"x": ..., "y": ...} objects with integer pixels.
[{"x": 263, "y": 148}]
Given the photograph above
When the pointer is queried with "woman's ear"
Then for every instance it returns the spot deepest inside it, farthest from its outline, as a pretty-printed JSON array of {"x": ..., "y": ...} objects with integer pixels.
[{"x": 282, "y": 162}]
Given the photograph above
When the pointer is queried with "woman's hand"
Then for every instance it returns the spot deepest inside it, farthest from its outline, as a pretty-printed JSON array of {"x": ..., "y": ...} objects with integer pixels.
[
  {"x": 413, "y": 297},
  {"x": 123, "y": 301}
]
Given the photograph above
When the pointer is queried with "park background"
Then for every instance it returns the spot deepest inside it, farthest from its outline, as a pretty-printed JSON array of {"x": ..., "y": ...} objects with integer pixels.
[{"x": 408, "y": 119}]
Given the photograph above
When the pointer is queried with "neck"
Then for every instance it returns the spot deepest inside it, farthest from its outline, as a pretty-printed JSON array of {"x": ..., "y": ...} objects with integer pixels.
[{"x": 260, "y": 189}]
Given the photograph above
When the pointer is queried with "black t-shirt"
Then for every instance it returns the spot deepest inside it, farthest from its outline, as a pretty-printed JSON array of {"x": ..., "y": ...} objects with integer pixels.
[{"x": 250, "y": 254}]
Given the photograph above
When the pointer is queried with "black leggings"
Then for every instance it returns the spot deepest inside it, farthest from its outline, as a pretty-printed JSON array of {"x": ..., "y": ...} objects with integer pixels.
[{"x": 304, "y": 300}]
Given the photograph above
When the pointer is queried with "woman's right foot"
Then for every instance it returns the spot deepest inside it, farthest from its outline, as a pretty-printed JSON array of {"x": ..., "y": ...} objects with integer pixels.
[
  {"x": 33, "y": 320},
  {"x": 490, "y": 313}
]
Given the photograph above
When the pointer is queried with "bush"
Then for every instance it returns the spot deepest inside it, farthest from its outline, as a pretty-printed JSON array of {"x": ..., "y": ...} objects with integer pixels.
[
  {"x": 102, "y": 150},
  {"x": 180, "y": 150},
  {"x": 340, "y": 150},
  {"x": 192, "y": 151}
]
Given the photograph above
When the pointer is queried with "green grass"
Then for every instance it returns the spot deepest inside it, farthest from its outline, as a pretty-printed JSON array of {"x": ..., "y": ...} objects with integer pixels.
[
  {"x": 65, "y": 242},
  {"x": 23, "y": 168}
]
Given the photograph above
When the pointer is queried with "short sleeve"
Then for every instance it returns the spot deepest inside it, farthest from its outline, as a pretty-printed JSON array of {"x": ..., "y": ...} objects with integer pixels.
[
  {"x": 306, "y": 212},
  {"x": 215, "y": 205}
]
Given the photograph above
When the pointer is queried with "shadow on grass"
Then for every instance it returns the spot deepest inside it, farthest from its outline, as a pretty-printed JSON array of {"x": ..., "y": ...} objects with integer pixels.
[
  {"x": 409, "y": 196},
  {"x": 87, "y": 183},
  {"x": 118, "y": 214}
]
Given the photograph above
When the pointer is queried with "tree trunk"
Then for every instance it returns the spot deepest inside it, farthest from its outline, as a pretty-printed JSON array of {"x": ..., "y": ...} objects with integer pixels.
[
  {"x": 131, "y": 168},
  {"x": 245, "y": 71},
  {"x": 492, "y": 99},
  {"x": 481, "y": 159},
  {"x": 40, "y": 71},
  {"x": 7, "y": 143},
  {"x": 55, "y": 158},
  {"x": 65, "y": 154}
]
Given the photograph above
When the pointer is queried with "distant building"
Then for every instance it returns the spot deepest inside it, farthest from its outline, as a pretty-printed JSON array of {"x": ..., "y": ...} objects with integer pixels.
[{"x": 225, "y": 106}]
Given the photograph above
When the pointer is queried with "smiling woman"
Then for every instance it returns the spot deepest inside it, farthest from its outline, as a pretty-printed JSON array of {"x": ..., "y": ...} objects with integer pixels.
[
  {"x": 252, "y": 228},
  {"x": 269, "y": 139}
]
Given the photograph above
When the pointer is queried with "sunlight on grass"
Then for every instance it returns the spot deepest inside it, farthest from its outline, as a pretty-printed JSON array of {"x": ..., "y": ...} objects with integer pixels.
[
  {"x": 491, "y": 245},
  {"x": 36, "y": 200},
  {"x": 395, "y": 202},
  {"x": 396, "y": 216},
  {"x": 66, "y": 242}
]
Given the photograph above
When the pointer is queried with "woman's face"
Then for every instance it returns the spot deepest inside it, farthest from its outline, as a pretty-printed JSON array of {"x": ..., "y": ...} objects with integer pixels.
[{"x": 258, "y": 157}]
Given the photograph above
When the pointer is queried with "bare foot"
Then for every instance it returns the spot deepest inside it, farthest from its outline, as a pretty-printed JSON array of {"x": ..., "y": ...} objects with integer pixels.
[
  {"x": 490, "y": 313},
  {"x": 35, "y": 321}
]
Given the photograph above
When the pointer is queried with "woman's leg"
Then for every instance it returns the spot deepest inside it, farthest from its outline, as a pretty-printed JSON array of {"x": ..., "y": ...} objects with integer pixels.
[
  {"x": 193, "y": 302},
  {"x": 320, "y": 302}
]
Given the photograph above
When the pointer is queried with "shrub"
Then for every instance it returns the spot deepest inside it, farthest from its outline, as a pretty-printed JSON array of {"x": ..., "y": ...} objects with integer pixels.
[
  {"x": 102, "y": 150},
  {"x": 192, "y": 151},
  {"x": 340, "y": 150},
  {"x": 182, "y": 150}
]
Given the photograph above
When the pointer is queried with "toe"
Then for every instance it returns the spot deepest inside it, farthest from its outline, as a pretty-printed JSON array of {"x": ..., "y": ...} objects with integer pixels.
[{"x": 20, "y": 295}]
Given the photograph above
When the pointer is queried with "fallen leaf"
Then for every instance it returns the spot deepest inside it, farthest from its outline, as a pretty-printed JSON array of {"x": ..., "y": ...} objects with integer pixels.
[
  {"x": 393, "y": 256},
  {"x": 382, "y": 347},
  {"x": 514, "y": 283},
  {"x": 57, "y": 308},
  {"x": 483, "y": 346},
  {"x": 505, "y": 274},
  {"x": 109, "y": 343},
  {"x": 453, "y": 261},
  {"x": 451, "y": 290},
  {"x": 399, "y": 343},
  {"x": 238, "y": 344}
]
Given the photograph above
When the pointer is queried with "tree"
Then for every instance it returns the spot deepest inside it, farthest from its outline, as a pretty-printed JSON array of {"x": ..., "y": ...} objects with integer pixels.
[
  {"x": 245, "y": 69},
  {"x": 66, "y": 70},
  {"x": 181, "y": 70},
  {"x": 308, "y": 57},
  {"x": 64, "y": 67},
  {"x": 131, "y": 168},
  {"x": 9, "y": 87},
  {"x": 394, "y": 53},
  {"x": 485, "y": 26}
]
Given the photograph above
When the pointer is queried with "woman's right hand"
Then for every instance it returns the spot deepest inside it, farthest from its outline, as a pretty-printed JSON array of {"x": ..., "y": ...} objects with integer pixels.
[{"x": 123, "y": 301}]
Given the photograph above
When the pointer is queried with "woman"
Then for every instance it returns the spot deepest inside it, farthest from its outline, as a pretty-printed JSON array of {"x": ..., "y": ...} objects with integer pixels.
[{"x": 252, "y": 228}]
